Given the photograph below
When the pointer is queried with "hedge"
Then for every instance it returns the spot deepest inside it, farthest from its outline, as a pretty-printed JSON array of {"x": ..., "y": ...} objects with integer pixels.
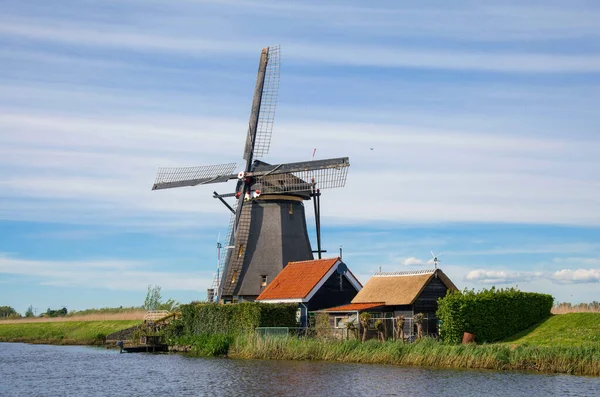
[
  {"x": 212, "y": 318},
  {"x": 491, "y": 315}
]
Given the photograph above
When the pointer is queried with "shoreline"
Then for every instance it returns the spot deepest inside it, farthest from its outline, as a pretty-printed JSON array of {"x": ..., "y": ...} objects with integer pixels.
[
  {"x": 427, "y": 354},
  {"x": 525, "y": 352}
]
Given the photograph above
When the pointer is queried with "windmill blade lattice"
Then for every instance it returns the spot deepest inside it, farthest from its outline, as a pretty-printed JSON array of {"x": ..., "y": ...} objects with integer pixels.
[
  {"x": 221, "y": 270},
  {"x": 326, "y": 178},
  {"x": 169, "y": 177},
  {"x": 268, "y": 103}
]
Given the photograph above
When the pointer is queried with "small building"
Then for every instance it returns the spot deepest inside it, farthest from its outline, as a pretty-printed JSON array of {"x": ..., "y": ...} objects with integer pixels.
[
  {"x": 313, "y": 284},
  {"x": 389, "y": 295}
]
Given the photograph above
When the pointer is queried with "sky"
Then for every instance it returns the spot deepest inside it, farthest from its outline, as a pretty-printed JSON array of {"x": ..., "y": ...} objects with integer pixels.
[{"x": 472, "y": 131}]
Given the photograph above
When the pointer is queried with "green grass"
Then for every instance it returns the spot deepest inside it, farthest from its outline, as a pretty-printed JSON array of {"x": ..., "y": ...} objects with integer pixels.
[
  {"x": 565, "y": 330},
  {"x": 64, "y": 332},
  {"x": 205, "y": 345}
]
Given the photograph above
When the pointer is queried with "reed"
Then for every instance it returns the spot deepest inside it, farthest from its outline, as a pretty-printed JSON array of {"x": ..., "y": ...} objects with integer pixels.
[
  {"x": 204, "y": 345},
  {"x": 427, "y": 352}
]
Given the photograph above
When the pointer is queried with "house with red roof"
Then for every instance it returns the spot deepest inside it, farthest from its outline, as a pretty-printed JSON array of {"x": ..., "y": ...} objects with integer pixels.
[{"x": 313, "y": 284}]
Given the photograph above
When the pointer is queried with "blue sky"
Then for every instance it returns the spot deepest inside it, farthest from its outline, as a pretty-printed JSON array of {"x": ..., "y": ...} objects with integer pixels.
[{"x": 482, "y": 117}]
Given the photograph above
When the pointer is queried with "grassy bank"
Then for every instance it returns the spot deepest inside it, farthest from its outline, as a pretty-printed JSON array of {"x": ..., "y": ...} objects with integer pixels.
[
  {"x": 567, "y": 330},
  {"x": 428, "y": 352},
  {"x": 63, "y": 333},
  {"x": 568, "y": 343}
]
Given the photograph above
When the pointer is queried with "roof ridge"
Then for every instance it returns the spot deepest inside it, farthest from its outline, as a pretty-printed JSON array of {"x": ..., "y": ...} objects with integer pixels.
[
  {"x": 404, "y": 273},
  {"x": 315, "y": 260}
]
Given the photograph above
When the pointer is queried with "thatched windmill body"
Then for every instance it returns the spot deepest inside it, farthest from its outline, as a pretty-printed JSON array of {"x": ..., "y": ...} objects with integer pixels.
[{"x": 268, "y": 223}]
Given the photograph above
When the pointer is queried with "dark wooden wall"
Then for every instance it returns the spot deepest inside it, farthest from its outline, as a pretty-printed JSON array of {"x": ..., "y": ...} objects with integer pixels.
[
  {"x": 330, "y": 294},
  {"x": 427, "y": 301}
]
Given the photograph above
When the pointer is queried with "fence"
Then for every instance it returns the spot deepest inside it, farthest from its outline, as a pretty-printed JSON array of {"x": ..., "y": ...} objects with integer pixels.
[{"x": 343, "y": 331}]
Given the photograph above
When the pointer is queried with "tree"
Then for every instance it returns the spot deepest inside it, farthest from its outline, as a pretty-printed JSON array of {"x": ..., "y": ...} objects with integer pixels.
[
  {"x": 419, "y": 319},
  {"x": 153, "y": 298},
  {"x": 7, "y": 311},
  {"x": 29, "y": 312},
  {"x": 365, "y": 319},
  {"x": 169, "y": 305},
  {"x": 380, "y": 327},
  {"x": 56, "y": 313},
  {"x": 400, "y": 328}
]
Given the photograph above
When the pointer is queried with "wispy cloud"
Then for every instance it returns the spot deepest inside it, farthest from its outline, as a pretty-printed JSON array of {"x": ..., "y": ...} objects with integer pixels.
[
  {"x": 564, "y": 276},
  {"x": 112, "y": 274},
  {"x": 501, "y": 277},
  {"x": 412, "y": 261},
  {"x": 106, "y": 36}
]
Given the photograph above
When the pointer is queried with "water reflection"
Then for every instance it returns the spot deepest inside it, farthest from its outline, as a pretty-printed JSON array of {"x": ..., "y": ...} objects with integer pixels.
[{"x": 41, "y": 370}]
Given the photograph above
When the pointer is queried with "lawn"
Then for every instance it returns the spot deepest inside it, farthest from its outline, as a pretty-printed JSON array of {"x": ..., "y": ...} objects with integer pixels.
[
  {"x": 68, "y": 332},
  {"x": 572, "y": 329}
]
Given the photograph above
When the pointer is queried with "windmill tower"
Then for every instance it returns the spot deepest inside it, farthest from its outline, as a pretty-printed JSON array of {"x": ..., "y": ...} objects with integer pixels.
[{"x": 268, "y": 224}]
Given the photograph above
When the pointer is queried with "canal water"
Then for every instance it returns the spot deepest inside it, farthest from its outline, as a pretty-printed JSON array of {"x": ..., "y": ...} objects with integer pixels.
[{"x": 43, "y": 370}]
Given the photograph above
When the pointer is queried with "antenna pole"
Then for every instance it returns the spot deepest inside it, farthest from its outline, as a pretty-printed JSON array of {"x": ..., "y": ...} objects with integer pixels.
[
  {"x": 318, "y": 198},
  {"x": 340, "y": 251},
  {"x": 316, "y": 194}
]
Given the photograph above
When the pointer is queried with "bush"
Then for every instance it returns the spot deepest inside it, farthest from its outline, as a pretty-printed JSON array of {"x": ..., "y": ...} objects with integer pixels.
[
  {"x": 491, "y": 314},
  {"x": 213, "y": 318}
]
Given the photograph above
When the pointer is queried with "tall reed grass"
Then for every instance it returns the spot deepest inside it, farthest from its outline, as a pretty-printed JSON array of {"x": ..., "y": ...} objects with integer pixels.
[{"x": 427, "y": 352}]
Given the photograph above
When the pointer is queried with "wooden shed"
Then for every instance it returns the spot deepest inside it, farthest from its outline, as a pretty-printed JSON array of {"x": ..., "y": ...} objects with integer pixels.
[{"x": 392, "y": 294}]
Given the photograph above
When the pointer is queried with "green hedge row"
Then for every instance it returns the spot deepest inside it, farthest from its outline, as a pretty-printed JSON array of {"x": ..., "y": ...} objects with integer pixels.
[
  {"x": 491, "y": 315},
  {"x": 212, "y": 318}
]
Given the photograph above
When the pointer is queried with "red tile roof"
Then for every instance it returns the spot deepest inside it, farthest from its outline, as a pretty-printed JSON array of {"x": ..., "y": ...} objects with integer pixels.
[
  {"x": 297, "y": 279},
  {"x": 352, "y": 307}
]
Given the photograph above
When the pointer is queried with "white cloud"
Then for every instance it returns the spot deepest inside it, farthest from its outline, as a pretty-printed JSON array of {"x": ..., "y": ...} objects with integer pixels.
[
  {"x": 564, "y": 276},
  {"x": 105, "y": 168},
  {"x": 501, "y": 276},
  {"x": 112, "y": 274},
  {"x": 568, "y": 276},
  {"x": 415, "y": 261}
]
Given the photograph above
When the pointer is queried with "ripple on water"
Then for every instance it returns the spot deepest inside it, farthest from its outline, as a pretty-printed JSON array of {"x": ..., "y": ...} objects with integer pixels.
[{"x": 42, "y": 370}]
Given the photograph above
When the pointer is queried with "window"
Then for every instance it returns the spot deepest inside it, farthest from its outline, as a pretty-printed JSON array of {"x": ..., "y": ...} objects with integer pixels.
[
  {"x": 234, "y": 277},
  {"x": 241, "y": 251},
  {"x": 263, "y": 281},
  {"x": 342, "y": 322}
]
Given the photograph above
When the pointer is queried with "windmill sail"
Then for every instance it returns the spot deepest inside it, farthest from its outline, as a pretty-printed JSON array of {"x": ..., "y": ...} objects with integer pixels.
[
  {"x": 168, "y": 177},
  {"x": 268, "y": 103},
  {"x": 299, "y": 177},
  {"x": 258, "y": 140}
]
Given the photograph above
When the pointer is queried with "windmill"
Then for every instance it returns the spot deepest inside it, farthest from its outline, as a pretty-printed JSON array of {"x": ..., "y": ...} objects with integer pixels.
[{"x": 268, "y": 224}]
